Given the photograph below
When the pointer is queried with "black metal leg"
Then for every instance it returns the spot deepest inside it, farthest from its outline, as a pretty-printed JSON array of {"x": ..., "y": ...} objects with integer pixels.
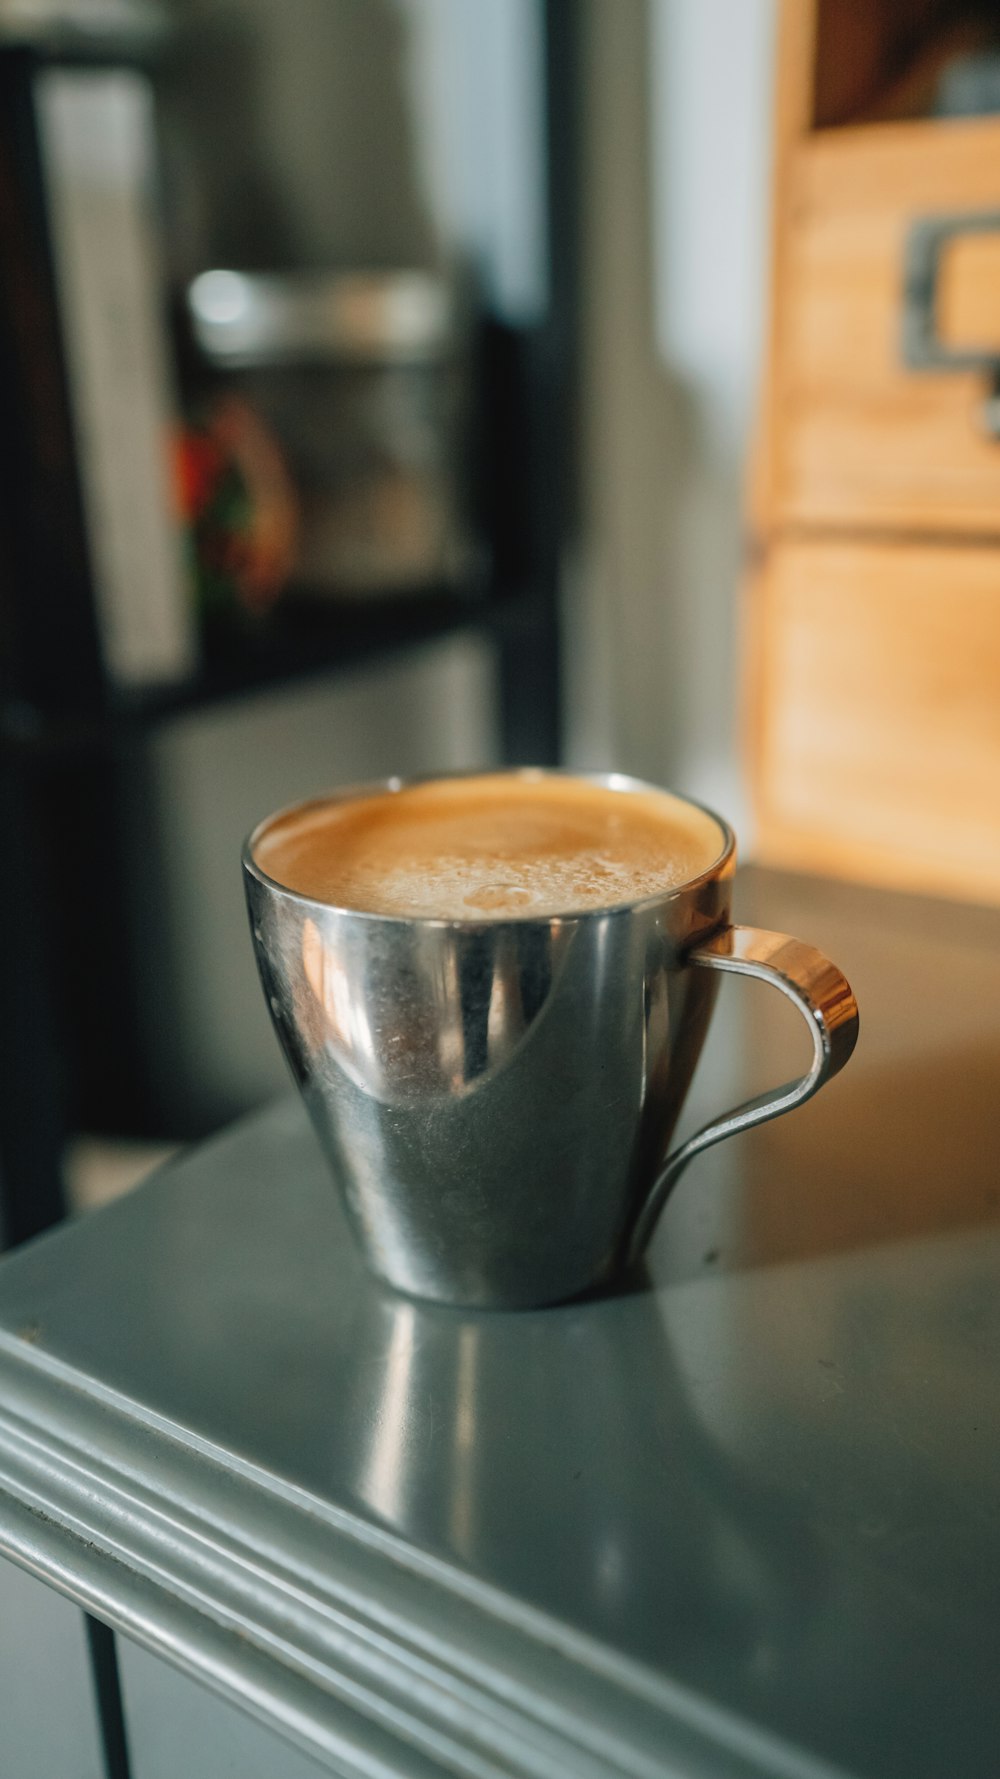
[
  {"x": 108, "y": 1694},
  {"x": 540, "y": 448},
  {"x": 32, "y": 1106},
  {"x": 528, "y": 663}
]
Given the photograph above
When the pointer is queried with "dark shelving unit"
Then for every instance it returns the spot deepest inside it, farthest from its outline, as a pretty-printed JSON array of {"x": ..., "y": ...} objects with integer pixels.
[
  {"x": 72, "y": 745},
  {"x": 298, "y": 645}
]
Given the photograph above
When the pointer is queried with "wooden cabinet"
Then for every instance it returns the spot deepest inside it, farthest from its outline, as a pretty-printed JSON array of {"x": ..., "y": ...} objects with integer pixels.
[
  {"x": 878, "y": 724},
  {"x": 875, "y": 601},
  {"x": 860, "y": 438}
]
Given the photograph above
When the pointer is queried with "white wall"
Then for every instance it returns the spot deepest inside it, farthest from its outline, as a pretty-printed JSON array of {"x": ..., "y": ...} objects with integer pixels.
[
  {"x": 678, "y": 107},
  {"x": 475, "y": 78},
  {"x": 359, "y": 132}
]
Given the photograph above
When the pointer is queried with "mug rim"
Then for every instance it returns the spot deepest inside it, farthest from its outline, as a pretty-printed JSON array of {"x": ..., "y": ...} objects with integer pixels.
[{"x": 615, "y": 781}]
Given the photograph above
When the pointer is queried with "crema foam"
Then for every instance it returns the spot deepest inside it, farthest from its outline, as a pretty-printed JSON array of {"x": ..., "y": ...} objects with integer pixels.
[{"x": 491, "y": 847}]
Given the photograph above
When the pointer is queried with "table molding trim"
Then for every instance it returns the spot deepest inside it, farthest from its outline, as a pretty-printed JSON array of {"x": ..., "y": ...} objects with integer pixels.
[{"x": 374, "y": 1657}]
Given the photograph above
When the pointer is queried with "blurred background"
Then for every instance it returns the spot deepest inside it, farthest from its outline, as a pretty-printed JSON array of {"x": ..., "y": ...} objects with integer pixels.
[{"x": 378, "y": 386}]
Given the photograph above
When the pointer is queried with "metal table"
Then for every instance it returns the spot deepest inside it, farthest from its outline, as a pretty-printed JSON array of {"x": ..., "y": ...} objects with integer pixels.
[{"x": 741, "y": 1520}]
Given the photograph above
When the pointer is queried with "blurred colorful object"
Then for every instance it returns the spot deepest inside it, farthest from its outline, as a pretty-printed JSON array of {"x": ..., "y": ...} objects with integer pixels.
[
  {"x": 366, "y": 380},
  {"x": 240, "y": 510}
]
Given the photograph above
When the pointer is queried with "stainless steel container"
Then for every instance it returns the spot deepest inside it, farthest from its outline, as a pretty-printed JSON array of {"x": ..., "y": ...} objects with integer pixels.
[
  {"x": 364, "y": 378},
  {"x": 497, "y": 1098}
]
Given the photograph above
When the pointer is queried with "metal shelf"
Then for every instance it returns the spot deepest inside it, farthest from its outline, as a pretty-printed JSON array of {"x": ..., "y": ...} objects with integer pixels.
[{"x": 300, "y": 643}]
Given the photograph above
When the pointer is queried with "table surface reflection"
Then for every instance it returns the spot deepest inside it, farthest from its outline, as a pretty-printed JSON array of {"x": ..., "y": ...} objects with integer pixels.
[{"x": 768, "y": 1471}]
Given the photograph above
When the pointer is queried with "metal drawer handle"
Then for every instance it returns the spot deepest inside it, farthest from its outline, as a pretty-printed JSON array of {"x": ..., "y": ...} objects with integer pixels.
[{"x": 922, "y": 347}]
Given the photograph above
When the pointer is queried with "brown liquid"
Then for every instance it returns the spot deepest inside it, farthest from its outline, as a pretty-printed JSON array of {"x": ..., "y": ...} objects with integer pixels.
[{"x": 490, "y": 847}]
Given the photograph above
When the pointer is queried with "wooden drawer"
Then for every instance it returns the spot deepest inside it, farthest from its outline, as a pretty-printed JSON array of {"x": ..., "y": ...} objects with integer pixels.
[
  {"x": 858, "y": 439},
  {"x": 876, "y": 712}
]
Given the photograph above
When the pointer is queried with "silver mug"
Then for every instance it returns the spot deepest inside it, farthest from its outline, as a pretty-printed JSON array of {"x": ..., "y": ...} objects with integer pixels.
[{"x": 497, "y": 1097}]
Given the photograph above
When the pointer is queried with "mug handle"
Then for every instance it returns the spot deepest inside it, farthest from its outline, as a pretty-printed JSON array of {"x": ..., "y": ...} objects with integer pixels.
[{"x": 824, "y": 998}]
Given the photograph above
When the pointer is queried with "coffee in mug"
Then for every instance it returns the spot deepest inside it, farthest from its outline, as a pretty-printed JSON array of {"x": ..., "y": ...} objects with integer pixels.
[{"x": 490, "y": 848}]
